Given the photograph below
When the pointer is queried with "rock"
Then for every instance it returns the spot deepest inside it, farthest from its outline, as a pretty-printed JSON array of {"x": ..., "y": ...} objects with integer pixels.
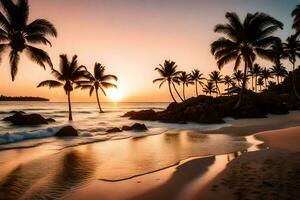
[
  {"x": 67, "y": 131},
  {"x": 142, "y": 115},
  {"x": 50, "y": 120},
  {"x": 114, "y": 130},
  {"x": 22, "y": 119},
  {"x": 14, "y": 112},
  {"x": 136, "y": 126}
]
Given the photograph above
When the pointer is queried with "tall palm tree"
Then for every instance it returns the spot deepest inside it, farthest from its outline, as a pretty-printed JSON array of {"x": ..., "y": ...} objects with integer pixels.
[
  {"x": 256, "y": 69},
  {"x": 168, "y": 72},
  {"x": 68, "y": 74},
  {"x": 238, "y": 77},
  {"x": 209, "y": 88},
  {"x": 265, "y": 75},
  {"x": 251, "y": 74},
  {"x": 227, "y": 80},
  {"x": 279, "y": 71},
  {"x": 216, "y": 78},
  {"x": 197, "y": 77},
  {"x": 186, "y": 80},
  {"x": 296, "y": 15},
  {"x": 97, "y": 81},
  {"x": 260, "y": 83},
  {"x": 18, "y": 36},
  {"x": 244, "y": 41},
  {"x": 291, "y": 50}
]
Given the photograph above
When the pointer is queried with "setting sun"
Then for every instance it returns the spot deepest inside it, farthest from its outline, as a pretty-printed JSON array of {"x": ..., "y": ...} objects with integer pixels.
[{"x": 115, "y": 94}]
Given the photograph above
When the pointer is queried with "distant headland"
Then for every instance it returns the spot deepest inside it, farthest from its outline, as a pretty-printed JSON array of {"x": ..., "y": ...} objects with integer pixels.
[{"x": 21, "y": 98}]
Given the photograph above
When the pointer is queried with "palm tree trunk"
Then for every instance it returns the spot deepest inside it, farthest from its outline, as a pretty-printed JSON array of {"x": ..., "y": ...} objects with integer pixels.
[
  {"x": 243, "y": 86},
  {"x": 218, "y": 88},
  {"x": 183, "y": 91},
  {"x": 252, "y": 83},
  {"x": 97, "y": 95},
  {"x": 294, "y": 83},
  {"x": 256, "y": 83},
  {"x": 277, "y": 80},
  {"x": 70, "y": 107},
  {"x": 170, "y": 90},
  {"x": 177, "y": 92},
  {"x": 266, "y": 83},
  {"x": 197, "y": 89}
]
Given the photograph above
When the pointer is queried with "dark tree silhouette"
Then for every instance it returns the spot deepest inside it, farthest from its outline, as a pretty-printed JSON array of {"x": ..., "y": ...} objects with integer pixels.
[
  {"x": 186, "y": 80},
  {"x": 18, "y": 36},
  {"x": 168, "y": 72},
  {"x": 197, "y": 77},
  {"x": 216, "y": 78},
  {"x": 227, "y": 80},
  {"x": 97, "y": 81},
  {"x": 68, "y": 74},
  {"x": 291, "y": 51},
  {"x": 244, "y": 41},
  {"x": 209, "y": 88},
  {"x": 279, "y": 71},
  {"x": 260, "y": 83},
  {"x": 238, "y": 77},
  {"x": 265, "y": 75},
  {"x": 256, "y": 69},
  {"x": 296, "y": 15}
]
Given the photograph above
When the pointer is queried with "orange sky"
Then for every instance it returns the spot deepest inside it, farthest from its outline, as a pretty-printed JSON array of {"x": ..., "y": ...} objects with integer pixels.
[{"x": 131, "y": 37}]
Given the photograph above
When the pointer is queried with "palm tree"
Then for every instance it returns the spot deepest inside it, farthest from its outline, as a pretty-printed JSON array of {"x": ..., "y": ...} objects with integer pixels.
[
  {"x": 260, "y": 83},
  {"x": 68, "y": 74},
  {"x": 227, "y": 80},
  {"x": 279, "y": 71},
  {"x": 296, "y": 15},
  {"x": 216, "y": 78},
  {"x": 251, "y": 74},
  {"x": 18, "y": 36},
  {"x": 244, "y": 41},
  {"x": 186, "y": 80},
  {"x": 265, "y": 75},
  {"x": 256, "y": 72},
  {"x": 209, "y": 88},
  {"x": 96, "y": 81},
  {"x": 291, "y": 50},
  {"x": 238, "y": 77},
  {"x": 168, "y": 74},
  {"x": 197, "y": 77}
]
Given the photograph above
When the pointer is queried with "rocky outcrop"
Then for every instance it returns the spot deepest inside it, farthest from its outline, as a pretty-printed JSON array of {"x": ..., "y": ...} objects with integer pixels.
[
  {"x": 142, "y": 115},
  {"x": 20, "y": 118},
  {"x": 135, "y": 127},
  {"x": 67, "y": 131}
]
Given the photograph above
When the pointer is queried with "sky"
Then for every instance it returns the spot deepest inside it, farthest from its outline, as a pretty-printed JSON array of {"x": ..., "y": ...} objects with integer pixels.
[{"x": 131, "y": 38}]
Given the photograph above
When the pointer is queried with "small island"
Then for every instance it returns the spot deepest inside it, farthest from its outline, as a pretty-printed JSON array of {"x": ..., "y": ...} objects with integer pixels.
[{"x": 22, "y": 98}]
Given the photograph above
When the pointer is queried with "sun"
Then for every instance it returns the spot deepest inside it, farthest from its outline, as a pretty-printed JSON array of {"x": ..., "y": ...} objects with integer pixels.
[{"x": 115, "y": 94}]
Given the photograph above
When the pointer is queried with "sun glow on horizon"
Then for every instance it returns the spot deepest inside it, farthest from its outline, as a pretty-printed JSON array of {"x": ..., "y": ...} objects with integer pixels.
[{"x": 115, "y": 94}]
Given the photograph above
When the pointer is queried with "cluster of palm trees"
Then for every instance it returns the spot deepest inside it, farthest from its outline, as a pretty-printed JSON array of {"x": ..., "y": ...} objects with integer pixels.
[
  {"x": 17, "y": 36},
  {"x": 242, "y": 42}
]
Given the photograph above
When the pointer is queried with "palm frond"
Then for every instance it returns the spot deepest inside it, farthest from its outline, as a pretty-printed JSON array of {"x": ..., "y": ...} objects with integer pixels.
[
  {"x": 50, "y": 84},
  {"x": 39, "y": 56}
]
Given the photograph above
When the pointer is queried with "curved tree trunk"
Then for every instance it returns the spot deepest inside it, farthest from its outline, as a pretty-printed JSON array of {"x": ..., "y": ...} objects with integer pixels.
[
  {"x": 170, "y": 90},
  {"x": 177, "y": 92},
  {"x": 238, "y": 104},
  {"x": 197, "y": 89},
  {"x": 183, "y": 91},
  {"x": 97, "y": 95},
  {"x": 294, "y": 83},
  {"x": 70, "y": 107}
]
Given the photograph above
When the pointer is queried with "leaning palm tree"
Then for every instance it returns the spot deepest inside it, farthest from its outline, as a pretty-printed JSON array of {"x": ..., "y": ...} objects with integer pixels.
[
  {"x": 296, "y": 15},
  {"x": 260, "y": 83},
  {"x": 291, "y": 50},
  {"x": 68, "y": 74},
  {"x": 216, "y": 78},
  {"x": 97, "y": 81},
  {"x": 256, "y": 69},
  {"x": 18, "y": 36},
  {"x": 197, "y": 77},
  {"x": 279, "y": 71},
  {"x": 238, "y": 77},
  {"x": 227, "y": 80},
  {"x": 209, "y": 88},
  {"x": 244, "y": 40},
  {"x": 265, "y": 75},
  {"x": 186, "y": 80},
  {"x": 168, "y": 72}
]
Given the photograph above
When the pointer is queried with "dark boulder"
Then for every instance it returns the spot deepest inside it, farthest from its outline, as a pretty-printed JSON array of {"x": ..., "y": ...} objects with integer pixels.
[
  {"x": 142, "y": 115},
  {"x": 114, "y": 130},
  {"x": 136, "y": 127},
  {"x": 204, "y": 113},
  {"x": 50, "y": 120},
  {"x": 67, "y": 131},
  {"x": 24, "y": 119},
  {"x": 248, "y": 111},
  {"x": 14, "y": 112}
]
